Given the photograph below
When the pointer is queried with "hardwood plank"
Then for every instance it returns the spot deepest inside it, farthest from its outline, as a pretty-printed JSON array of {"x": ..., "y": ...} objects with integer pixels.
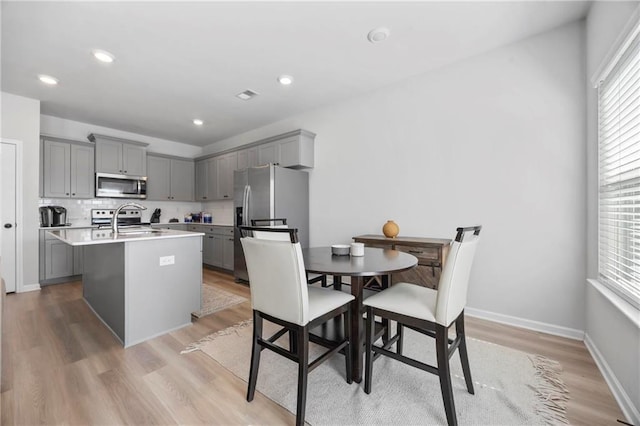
[{"x": 56, "y": 351}]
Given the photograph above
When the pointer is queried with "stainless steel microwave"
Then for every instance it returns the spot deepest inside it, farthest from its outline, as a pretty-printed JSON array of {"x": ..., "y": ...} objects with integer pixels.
[{"x": 109, "y": 185}]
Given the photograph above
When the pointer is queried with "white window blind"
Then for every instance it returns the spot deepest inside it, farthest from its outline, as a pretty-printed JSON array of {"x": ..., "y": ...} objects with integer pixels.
[{"x": 619, "y": 164}]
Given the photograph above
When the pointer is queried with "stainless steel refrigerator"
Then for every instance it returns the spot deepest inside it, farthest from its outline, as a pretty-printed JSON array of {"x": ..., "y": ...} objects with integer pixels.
[{"x": 269, "y": 192}]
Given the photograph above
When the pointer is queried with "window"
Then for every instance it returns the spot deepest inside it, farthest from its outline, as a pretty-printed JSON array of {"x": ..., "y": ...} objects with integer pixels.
[{"x": 619, "y": 175}]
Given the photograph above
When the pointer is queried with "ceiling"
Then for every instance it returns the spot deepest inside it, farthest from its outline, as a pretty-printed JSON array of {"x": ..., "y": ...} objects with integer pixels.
[{"x": 176, "y": 61}]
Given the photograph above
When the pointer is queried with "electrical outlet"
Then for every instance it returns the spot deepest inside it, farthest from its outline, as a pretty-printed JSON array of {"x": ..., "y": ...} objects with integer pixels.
[{"x": 167, "y": 260}]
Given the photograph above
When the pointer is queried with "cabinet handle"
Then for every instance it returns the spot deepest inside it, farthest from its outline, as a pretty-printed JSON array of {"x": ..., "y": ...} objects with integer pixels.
[
  {"x": 125, "y": 171},
  {"x": 73, "y": 193},
  {"x": 416, "y": 251},
  {"x": 67, "y": 193}
]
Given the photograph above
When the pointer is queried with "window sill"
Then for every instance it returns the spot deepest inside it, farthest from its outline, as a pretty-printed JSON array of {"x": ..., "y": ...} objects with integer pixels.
[{"x": 628, "y": 310}]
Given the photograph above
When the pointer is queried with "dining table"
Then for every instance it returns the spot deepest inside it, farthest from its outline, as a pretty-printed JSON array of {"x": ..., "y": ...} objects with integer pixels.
[{"x": 376, "y": 262}]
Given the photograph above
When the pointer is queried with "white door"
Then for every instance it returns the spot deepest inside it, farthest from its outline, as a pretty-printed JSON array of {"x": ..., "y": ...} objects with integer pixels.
[{"x": 8, "y": 193}]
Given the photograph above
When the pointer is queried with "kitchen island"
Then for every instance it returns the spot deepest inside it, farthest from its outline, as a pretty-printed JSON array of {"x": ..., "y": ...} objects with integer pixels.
[{"x": 140, "y": 282}]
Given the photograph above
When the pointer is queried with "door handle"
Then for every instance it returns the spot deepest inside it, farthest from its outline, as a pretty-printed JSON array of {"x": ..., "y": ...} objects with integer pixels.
[{"x": 8, "y": 225}]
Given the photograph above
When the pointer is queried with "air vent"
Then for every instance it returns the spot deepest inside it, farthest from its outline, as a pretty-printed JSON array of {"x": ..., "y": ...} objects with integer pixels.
[{"x": 247, "y": 94}]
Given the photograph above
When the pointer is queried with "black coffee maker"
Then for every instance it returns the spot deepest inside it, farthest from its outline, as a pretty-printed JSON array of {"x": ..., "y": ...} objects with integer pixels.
[{"x": 53, "y": 216}]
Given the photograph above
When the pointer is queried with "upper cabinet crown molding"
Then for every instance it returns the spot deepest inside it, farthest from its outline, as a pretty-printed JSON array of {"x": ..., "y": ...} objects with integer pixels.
[
  {"x": 44, "y": 136},
  {"x": 95, "y": 137},
  {"x": 303, "y": 139}
]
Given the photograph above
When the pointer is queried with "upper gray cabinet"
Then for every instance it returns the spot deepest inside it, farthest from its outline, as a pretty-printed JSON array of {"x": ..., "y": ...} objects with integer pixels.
[
  {"x": 169, "y": 178},
  {"x": 67, "y": 168},
  {"x": 247, "y": 158},
  {"x": 206, "y": 176},
  {"x": 120, "y": 156},
  {"x": 293, "y": 150},
  {"x": 225, "y": 166}
]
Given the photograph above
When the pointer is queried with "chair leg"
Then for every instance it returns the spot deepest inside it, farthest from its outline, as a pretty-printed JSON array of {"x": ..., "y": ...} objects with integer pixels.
[
  {"x": 346, "y": 319},
  {"x": 369, "y": 332},
  {"x": 464, "y": 359},
  {"x": 399, "y": 343},
  {"x": 255, "y": 355},
  {"x": 302, "y": 334},
  {"x": 442, "y": 352}
]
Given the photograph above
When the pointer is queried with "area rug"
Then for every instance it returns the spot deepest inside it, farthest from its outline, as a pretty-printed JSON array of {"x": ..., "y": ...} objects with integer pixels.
[
  {"x": 215, "y": 299},
  {"x": 511, "y": 387}
]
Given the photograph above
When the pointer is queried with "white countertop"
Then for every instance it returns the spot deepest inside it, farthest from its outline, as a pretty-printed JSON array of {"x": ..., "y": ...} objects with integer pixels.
[
  {"x": 89, "y": 236},
  {"x": 207, "y": 224},
  {"x": 89, "y": 226}
]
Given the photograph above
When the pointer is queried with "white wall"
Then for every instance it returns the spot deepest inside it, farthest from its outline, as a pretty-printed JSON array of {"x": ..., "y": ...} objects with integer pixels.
[
  {"x": 21, "y": 121},
  {"x": 79, "y": 131},
  {"x": 612, "y": 337},
  {"x": 496, "y": 140}
]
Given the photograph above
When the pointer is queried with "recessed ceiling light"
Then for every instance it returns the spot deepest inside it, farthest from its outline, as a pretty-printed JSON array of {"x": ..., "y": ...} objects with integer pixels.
[
  {"x": 103, "y": 56},
  {"x": 247, "y": 94},
  {"x": 377, "y": 35},
  {"x": 47, "y": 79},
  {"x": 198, "y": 122},
  {"x": 285, "y": 80}
]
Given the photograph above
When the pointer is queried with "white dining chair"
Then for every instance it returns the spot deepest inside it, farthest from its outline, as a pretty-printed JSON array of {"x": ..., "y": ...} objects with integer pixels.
[
  {"x": 280, "y": 294},
  {"x": 280, "y": 223},
  {"x": 430, "y": 312}
]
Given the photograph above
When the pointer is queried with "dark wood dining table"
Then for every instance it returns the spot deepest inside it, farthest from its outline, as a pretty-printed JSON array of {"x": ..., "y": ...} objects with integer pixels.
[{"x": 376, "y": 262}]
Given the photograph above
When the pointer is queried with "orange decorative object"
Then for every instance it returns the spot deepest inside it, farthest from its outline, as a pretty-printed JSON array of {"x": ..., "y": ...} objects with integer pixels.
[{"x": 390, "y": 229}]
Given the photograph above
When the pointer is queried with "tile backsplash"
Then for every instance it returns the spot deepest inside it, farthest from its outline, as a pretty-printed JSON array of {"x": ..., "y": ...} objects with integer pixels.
[{"x": 79, "y": 211}]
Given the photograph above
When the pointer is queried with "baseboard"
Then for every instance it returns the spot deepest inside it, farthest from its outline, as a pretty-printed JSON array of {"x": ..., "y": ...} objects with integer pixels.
[
  {"x": 30, "y": 287},
  {"x": 556, "y": 330},
  {"x": 625, "y": 403}
]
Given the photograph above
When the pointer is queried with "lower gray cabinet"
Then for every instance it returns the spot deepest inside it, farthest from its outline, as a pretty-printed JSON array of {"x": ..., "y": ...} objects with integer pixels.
[
  {"x": 208, "y": 249},
  {"x": 58, "y": 259},
  {"x": 227, "y": 252},
  {"x": 217, "y": 245}
]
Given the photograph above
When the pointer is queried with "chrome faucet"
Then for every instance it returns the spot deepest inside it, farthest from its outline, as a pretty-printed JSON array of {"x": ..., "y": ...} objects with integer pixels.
[{"x": 114, "y": 219}]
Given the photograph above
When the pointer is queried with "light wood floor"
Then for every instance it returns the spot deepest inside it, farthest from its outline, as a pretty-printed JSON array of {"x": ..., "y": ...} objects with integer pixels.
[{"x": 61, "y": 365}]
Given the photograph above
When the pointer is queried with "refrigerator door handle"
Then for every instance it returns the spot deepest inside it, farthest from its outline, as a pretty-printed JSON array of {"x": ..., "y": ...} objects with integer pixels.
[{"x": 246, "y": 216}]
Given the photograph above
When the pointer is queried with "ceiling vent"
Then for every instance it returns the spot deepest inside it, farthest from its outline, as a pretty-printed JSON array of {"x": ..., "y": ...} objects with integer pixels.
[{"x": 247, "y": 94}]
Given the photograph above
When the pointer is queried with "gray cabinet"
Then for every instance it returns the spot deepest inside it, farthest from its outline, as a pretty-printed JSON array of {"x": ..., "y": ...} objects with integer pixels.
[
  {"x": 247, "y": 158},
  {"x": 169, "y": 178},
  {"x": 293, "y": 150},
  {"x": 115, "y": 155},
  {"x": 227, "y": 251},
  {"x": 217, "y": 245},
  {"x": 268, "y": 154},
  {"x": 182, "y": 173},
  {"x": 206, "y": 172},
  {"x": 58, "y": 260},
  {"x": 214, "y": 177},
  {"x": 225, "y": 166},
  {"x": 67, "y": 169}
]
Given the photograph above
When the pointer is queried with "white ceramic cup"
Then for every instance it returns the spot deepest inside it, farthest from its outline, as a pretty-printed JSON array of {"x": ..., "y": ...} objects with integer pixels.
[{"x": 357, "y": 249}]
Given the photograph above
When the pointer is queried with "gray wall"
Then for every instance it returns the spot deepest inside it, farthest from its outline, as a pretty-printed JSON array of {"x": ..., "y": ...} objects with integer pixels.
[
  {"x": 497, "y": 139},
  {"x": 612, "y": 337}
]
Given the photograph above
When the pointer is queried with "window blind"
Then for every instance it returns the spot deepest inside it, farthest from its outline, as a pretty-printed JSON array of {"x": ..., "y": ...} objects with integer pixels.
[{"x": 619, "y": 171}]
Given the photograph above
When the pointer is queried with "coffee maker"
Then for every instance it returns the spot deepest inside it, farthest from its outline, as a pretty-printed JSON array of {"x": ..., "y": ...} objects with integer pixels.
[{"x": 53, "y": 216}]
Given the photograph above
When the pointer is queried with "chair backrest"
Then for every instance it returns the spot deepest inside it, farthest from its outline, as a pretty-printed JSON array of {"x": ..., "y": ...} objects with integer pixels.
[
  {"x": 268, "y": 222},
  {"x": 277, "y": 277},
  {"x": 454, "y": 281},
  {"x": 274, "y": 232}
]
